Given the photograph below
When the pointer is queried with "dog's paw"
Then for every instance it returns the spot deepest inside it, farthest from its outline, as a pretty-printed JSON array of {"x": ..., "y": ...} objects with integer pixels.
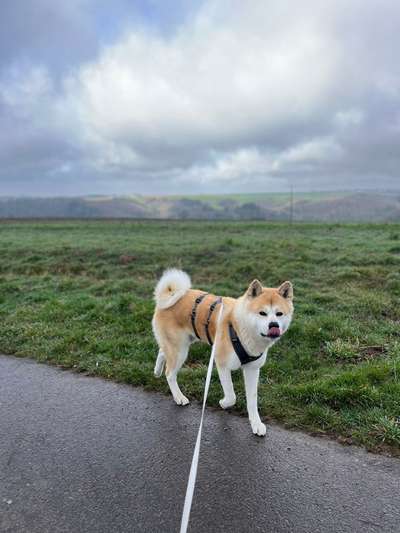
[
  {"x": 181, "y": 400},
  {"x": 227, "y": 402},
  {"x": 258, "y": 428}
]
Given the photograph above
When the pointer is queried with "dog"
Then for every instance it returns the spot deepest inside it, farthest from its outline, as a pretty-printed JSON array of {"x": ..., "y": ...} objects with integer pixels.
[{"x": 242, "y": 329}]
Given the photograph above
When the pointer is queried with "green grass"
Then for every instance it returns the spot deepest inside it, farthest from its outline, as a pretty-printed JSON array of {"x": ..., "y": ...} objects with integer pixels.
[{"x": 79, "y": 294}]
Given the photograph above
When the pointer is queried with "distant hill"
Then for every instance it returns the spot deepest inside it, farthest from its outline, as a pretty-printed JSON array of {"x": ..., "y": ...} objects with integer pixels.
[{"x": 328, "y": 207}]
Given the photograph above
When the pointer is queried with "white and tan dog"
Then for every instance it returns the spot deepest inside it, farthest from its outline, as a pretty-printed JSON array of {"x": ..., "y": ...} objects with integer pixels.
[{"x": 243, "y": 332}]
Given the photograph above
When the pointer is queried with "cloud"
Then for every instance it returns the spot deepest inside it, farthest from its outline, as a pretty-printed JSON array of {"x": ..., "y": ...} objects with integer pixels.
[
  {"x": 245, "y": 96},
  {"x": 21, "y": 90}
]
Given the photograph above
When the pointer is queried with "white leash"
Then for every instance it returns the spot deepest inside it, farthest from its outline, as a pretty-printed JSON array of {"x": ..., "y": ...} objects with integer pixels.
[{"x": 195, "y": 461}]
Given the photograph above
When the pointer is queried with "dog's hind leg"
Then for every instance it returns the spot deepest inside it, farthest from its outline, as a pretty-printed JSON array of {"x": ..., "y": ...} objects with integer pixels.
[
  {"x": 160, "y": 363},
  {"x": 175, "y": 356},
  {"x": 225, "y": 378}
]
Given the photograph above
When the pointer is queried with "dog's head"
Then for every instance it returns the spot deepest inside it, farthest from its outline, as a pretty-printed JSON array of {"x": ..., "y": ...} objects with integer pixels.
[{"x": 267, "y": 312}]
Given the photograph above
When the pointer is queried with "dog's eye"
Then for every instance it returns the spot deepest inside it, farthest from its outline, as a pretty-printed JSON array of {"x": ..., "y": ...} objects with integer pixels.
[
  {"x": 279, "y": 313},
  {"x": 263, "y": 313}
]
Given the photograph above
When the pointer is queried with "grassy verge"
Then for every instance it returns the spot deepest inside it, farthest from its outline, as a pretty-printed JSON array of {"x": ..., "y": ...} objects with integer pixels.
[{"x": 78, "y": 294}]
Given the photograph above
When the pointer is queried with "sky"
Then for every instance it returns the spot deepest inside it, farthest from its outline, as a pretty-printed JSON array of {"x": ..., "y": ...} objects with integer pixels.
[{"x": 166, "y": 97}]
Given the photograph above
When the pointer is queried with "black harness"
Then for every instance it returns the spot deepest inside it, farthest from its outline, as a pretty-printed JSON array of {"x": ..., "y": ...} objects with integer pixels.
[
  {"x": 244, "y": 357},
  {"x": 240, "y": 351},
  {"x": 197, "y": 301},
  {"x": 210, "y": 312}
]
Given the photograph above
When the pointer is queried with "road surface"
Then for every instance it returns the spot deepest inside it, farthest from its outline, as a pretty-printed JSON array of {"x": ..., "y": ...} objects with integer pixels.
[{"x": 83, "y": 455}]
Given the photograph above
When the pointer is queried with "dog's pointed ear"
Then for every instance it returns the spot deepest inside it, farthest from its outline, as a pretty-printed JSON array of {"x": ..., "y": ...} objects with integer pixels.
[
  {"x": 286, "y": 290},
  {"x": 255, "y": 288}
]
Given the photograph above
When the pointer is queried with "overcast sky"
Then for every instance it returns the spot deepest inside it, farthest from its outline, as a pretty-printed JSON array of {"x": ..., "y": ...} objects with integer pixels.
[{"x": 159, "y": 96}]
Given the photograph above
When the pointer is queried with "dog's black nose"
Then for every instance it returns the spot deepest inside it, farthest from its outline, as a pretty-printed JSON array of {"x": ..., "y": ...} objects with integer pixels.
[{"x": 273, "y": 325}]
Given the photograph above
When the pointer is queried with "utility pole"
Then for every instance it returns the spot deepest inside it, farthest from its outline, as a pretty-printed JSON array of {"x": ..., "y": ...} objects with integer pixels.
[{"x": 291, "y": 205}]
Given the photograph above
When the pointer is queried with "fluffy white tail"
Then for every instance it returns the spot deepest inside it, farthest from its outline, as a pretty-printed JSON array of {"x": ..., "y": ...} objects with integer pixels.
[{"x": 172, "y": 285}]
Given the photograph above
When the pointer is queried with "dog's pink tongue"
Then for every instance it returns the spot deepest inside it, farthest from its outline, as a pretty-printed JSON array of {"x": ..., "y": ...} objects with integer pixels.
[{"x": 274, "y": 332}]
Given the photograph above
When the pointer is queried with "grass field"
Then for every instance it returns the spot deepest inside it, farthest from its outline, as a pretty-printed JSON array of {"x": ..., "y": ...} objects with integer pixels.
[{"x": 79, "y": 294}]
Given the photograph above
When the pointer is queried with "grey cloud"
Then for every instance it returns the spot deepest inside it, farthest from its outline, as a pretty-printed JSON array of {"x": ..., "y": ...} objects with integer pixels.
[{"x": 59, "y": 34}]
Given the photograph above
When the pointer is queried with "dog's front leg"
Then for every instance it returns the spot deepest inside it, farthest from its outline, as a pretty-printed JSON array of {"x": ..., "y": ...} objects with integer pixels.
[
  {"x": 225, "y": 378},
  {"x": 251, "y": 376}
]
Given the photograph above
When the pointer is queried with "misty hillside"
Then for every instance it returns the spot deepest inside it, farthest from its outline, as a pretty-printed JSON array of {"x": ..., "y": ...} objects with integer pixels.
[{"x": 350, "y": 207}]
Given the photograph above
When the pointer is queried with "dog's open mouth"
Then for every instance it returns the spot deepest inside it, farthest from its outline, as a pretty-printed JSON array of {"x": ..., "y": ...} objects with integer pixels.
[{"x": 273, "y": 333}]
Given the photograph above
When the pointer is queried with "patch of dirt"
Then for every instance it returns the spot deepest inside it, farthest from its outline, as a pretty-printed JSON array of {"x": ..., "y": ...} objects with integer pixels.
[
  {"x": 126, "y": 259},
  {"x": 370, "y": 352}
]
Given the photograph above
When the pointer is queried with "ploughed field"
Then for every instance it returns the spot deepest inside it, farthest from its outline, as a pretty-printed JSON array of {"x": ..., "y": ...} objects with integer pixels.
[{"x": 79, "y": 294}]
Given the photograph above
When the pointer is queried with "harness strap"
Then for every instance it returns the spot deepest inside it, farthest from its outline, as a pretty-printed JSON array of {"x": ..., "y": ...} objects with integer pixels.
[
  {"x": 197, "y": 301},
  {"x": 244, "y": 357},
  {"x": 210, "y": 312}
]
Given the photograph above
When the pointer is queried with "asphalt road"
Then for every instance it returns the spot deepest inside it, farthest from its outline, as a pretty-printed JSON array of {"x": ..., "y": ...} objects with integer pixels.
[{"x": 80, "y": 454}]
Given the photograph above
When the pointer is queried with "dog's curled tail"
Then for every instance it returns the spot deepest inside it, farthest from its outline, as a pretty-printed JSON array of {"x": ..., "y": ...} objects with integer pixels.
[{"x": 170, "y": 288}]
